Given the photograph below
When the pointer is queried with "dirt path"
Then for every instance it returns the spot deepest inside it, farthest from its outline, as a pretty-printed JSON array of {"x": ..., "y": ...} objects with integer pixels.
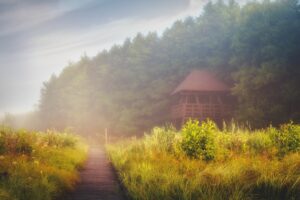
[{"x": 98, "y": 180}]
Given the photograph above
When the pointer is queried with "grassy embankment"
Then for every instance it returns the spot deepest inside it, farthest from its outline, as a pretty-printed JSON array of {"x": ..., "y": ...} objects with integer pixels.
[
  {"x": 39, "y": 166},
  {"x": 202, "y": 162}
]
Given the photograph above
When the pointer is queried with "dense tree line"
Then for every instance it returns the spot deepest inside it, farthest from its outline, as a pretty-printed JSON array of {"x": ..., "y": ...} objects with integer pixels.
[{"x": 254, "y": 47}]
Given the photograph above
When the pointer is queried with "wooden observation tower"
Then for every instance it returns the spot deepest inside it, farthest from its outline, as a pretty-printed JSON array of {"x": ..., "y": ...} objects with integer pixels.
[{"x": 200, "y": 96}]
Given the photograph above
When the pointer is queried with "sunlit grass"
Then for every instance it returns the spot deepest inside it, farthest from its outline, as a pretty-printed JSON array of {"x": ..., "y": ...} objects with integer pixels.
[
  {"x": 39, "y": 166},
  {"x": 246, "y": 165}
]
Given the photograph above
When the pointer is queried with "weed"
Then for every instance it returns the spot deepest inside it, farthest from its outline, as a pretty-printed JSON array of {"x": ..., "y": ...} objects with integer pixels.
[
  {"x": 243, "y": 164},
  {"x": 39, "y": 166}
]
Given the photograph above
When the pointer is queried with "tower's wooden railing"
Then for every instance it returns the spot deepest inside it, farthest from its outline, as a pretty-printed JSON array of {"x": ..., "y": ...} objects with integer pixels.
[{"x": 200, "y": 111}]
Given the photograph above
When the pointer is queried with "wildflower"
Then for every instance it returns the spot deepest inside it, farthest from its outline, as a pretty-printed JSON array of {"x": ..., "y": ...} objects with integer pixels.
[
  {"x": 14, "y": 162},
  {"x": 2, "y": 157}
]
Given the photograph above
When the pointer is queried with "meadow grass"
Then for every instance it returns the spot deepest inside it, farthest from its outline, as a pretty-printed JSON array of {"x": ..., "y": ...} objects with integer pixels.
[
  {"x": 38, "y": 165},
  {"x": 242, "y": 164}
]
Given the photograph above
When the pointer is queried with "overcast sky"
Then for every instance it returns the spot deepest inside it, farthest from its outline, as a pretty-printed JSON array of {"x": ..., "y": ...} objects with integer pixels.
[{"x": 39, "y": 37}]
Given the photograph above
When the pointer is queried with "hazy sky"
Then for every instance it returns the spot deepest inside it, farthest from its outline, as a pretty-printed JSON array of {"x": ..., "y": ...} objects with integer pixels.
[{"x": 39, "y": 37}]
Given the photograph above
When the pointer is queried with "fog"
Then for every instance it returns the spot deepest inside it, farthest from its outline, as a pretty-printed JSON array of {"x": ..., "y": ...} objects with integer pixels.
[{"x": 39, "y": 38}]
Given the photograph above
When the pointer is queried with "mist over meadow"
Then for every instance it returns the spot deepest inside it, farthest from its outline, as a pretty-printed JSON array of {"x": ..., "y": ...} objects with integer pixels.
[{"x": 252, "y": 47}]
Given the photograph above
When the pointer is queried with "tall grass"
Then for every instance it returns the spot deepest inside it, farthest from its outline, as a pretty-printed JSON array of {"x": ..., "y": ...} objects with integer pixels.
[
  {"x": 245, "y": 164},
  {"x": 39, "y": 166}
]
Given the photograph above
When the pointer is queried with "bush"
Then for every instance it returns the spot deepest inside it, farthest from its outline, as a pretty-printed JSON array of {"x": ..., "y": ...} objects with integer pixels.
[
  {"x": 2, "y": 145},
  {"x": 245, "y": 164},
  {"x": 23, "y": 147},
  {"x": 198, "y": 141},
  {"x": 53, "y": 138},
  {"x": 287, "y": 138},
  {"x": 2, "y": 140},
  {"x": 5, "y": 196},
  {"x": 30, "y": 168},
  {"x": 235, "y": 143},
  {"x": 259, "y": 142},
  {"x": 161, "y": 138}
]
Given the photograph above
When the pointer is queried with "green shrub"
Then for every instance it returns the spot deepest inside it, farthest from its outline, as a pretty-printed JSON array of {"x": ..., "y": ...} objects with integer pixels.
[
  {"x": 259, "y": 142},
  {"x": 69, "y": 142},
  {"x": 23, "y": 147},
  {"x": 198, "y": 140},
  {"x": 2, "y": 140},
  {"x": 287, "y": 138},
  {"x": 2, "y": 145},
  {"x": 56, "y": 139},
  {"x": 161, "y": 138},
  {"x": 245, "y": 165},
  {"x": 30, "y": 168},
  {"x": 236, "y": 143},
  {"x": 5, "y": 196}
]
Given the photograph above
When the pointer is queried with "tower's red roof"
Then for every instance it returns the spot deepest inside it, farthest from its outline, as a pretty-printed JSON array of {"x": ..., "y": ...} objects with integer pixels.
[{"x": 201, "y": 80}]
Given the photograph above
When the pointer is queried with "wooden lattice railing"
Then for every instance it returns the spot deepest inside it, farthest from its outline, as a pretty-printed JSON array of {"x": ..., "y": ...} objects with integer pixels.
[{"x": 200, "y": 111}]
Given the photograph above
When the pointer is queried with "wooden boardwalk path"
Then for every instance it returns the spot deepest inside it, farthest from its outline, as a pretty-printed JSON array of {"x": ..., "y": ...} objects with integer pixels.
[{"x": 98, "y": 180}]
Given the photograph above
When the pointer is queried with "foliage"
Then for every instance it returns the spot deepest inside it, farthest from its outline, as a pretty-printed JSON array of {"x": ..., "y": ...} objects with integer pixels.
[
  {"x": 264, "y": 67},
  {"x": 260, "y": 142},
  {"x": 246, "y": 165},
  {"x": 253, "y": 47},
  {"x": 5, "y": 196},
  {"x": 39, "y": 166},
  {"x": 198, "y": 141},
  {"x": 162, "y": 138},
  {"x": 287, "y": 138}
]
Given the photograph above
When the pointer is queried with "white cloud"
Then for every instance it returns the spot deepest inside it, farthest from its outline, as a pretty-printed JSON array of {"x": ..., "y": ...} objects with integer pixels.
[
  {"x": 25, "y": 17},
  {"x": 53, "y": 50},
  {"x": 22, "y": 15}
]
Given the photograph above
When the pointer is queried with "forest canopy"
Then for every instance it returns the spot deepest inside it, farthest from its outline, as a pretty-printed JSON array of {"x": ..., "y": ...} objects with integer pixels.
[{"x": 254, "y": 48}]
